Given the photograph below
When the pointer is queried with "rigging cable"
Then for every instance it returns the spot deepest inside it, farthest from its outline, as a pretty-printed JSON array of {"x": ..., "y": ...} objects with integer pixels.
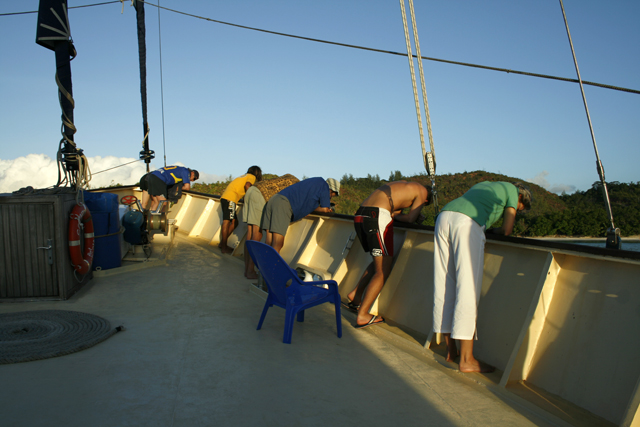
[
  {"x": 613, "y": 233},
  {"x": 352, "y": 46},
  {"x": 119, "y": 166},
  {"x": 164, "y": 145},
  {"x": 390, "y": 52},
  {"x": 428, "y": 157}
]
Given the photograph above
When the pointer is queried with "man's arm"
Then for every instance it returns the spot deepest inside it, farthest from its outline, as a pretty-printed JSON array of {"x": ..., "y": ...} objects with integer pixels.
[
  {"x": 413, "y": 214},
  {"x": 320, "y": 209},
  {"x": 416, "y": 206},
  {"x": 415, "y": 209},
  {"x": 508, "y": 221},
  {"x": 186, "y": 186},
  {"x": 247, "y": 185}
]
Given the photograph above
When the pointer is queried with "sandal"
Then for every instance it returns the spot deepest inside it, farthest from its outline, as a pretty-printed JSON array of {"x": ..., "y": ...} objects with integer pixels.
[
  {"x": 351, "y": 306},
  {"x": 371, "y": 322}
]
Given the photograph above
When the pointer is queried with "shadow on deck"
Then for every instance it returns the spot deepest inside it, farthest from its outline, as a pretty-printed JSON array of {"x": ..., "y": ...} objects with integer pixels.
[{"x": 191, "y": 355}]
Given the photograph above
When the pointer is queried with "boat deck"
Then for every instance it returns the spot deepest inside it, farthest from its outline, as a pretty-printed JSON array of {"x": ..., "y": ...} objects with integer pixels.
[{"x": 191, "y": 355}]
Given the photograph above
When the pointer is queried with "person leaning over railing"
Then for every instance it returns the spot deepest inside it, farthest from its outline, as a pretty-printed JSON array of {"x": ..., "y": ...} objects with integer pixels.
[
  {"x": 294, "y": 203},
  {"x": 458, "y": 257},
  {"x": 154, "y": 185},
  {"x": 229, "y": 199},
  {"x": 374, "y": 226},
  {"x": 254, "y": 201}
]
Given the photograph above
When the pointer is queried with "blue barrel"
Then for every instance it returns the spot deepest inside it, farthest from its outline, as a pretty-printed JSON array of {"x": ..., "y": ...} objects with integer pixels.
[
  {"x": 106, "y": 226},
  {"x": 133, "y": 222}
]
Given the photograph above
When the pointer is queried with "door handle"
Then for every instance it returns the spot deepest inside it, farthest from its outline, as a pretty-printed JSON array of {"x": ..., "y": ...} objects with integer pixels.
[{"x": 49, "y": 251}]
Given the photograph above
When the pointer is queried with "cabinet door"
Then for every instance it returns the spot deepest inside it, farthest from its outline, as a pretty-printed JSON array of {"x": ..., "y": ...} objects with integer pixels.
[{"x": 27, "y": 251}]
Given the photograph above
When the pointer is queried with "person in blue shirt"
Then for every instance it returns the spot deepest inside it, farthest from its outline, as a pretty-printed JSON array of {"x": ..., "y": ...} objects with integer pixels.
[
  {"x": 155, "y": 185},
  {"x": 294, "y": 203}
]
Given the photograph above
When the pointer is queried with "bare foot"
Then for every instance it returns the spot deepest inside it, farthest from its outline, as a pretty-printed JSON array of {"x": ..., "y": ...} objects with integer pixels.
[
  {"x": 226, "y": 250},
  {"x": 451, "y": 358},
  {"x": 476, "y": 366},
  {"x": 452, "y": 350},
  {"x": 374, "y": 320},
  {"x": 351, "y": 295},
  {"x": 251, "y": 275}
]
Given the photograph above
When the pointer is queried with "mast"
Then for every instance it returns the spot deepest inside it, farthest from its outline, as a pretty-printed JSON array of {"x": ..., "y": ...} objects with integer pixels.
[
  {"x": 146, "y": 154},
  {"x": 54, "y": 33}
]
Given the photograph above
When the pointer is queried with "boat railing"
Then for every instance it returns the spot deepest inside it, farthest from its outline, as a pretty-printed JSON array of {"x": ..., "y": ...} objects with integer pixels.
[{"x": 556, "y": 319}]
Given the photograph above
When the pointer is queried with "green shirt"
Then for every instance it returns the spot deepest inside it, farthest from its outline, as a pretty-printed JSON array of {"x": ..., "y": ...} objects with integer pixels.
[{"x": 485, "y": 202}]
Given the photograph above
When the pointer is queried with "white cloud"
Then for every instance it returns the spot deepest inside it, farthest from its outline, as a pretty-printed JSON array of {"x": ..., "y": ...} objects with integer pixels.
[
  {"x": 41, "y": 171},
  {"x": 541, "y": 180}
]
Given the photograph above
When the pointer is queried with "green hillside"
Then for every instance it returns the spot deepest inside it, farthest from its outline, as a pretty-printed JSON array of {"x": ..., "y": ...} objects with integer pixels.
[{"x": 578, "y": 214}]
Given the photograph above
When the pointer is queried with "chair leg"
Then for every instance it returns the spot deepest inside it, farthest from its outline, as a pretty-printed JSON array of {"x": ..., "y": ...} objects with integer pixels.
[
  {"x": 288, "y": 326},
  {"x": 264, "y": 313},
  {"x": 301, "y": 316},
  {"x": 338, "y": 316}
]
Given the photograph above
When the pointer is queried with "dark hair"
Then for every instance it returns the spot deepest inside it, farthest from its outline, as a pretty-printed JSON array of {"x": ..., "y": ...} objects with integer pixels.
[
  {"x": 429, "y": 194},
  {"x": 524, "y": 191},
  {"x": 196, "y": 175},
  {"x": 255, "y": 171}
]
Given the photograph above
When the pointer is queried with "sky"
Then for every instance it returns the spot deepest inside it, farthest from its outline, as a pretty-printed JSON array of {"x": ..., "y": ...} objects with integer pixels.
[{"x": 222, "y": 98}]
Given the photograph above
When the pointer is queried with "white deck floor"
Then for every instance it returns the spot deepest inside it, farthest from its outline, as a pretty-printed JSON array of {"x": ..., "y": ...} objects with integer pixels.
[{"x": 191, "y": 356}]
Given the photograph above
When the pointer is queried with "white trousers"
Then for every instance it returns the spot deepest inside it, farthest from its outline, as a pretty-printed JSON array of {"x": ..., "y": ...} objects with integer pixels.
[{"x": 458, "y": 268}]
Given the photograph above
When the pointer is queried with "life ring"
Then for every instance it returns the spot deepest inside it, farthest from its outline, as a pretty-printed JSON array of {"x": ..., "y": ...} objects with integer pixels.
[{"x": 81, "y": 262}]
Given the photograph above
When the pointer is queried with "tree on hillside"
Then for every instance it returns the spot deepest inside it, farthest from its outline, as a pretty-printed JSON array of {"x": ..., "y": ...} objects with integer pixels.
[{"x": 579, "y": 214}]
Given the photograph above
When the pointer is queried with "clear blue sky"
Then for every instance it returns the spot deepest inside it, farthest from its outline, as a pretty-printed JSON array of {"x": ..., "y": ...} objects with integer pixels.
[{"x": 234, "y": 98}]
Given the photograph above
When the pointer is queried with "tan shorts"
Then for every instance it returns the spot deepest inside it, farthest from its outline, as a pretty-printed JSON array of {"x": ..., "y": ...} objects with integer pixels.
[
  {"x": 277, "y": 215},
  {"x": 253, "y": 206}
]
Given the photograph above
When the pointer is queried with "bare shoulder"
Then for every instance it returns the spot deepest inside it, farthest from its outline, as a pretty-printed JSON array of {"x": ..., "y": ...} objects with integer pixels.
[
  {"x": 406, "y": 193},
  {"x": 416, "y": 188}
]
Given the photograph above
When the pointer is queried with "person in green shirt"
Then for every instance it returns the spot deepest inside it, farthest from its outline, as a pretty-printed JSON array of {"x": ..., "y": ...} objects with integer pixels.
[{"x": 459, "y": 260}]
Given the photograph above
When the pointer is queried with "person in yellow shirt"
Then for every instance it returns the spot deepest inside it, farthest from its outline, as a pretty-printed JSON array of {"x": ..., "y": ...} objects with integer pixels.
[{"x": 229, "y": 199}]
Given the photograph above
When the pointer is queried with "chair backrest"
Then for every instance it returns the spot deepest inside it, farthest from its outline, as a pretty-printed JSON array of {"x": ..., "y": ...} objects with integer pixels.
[{"x": 274, "y": 269}]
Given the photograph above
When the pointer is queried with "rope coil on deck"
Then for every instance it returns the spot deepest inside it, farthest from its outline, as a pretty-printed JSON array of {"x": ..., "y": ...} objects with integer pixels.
[{"x": 42, "y": 334}]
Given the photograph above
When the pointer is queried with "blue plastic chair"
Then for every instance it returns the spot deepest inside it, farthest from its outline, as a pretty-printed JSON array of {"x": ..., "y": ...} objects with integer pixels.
[{"x": 287, "y": 291}]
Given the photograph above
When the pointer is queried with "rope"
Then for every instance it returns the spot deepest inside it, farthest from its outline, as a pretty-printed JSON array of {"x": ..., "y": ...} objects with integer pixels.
[
  {"x": 122, "y": 229},
  {"x": 164, "y": 145},
  {"x": 119, "y": 166},
  {"x": 390, "y": 52},
  {"x": 370, "y": 49},
  {"x": 599, "y": 166},
  {"x": 427, "y": 157},
  {"x": 142, "y": 56},
  {"x": 422, "y": 84},
  {"x": 42, "y": 334},
  {"x": 413, "y": 76},
  {"x": 73, "y": 154},
  {"x": 26, "y": 191}
]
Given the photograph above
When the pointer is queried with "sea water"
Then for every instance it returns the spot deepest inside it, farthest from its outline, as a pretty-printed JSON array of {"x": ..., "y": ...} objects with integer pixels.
[{"x": 627, "y": 246}]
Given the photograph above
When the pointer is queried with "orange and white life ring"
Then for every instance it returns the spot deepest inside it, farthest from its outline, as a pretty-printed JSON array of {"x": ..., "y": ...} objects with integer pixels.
[{"x": 81, "y": 262}]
